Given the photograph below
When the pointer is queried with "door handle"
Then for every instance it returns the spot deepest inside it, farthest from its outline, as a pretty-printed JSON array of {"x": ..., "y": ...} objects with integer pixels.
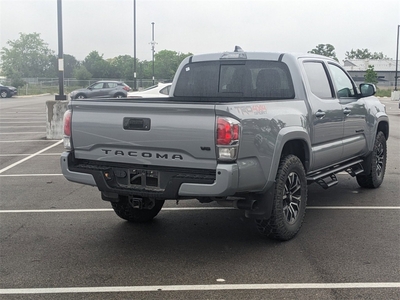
[
  {"x": 320, "y": 114},
  {"x": 346, "y": 111}
]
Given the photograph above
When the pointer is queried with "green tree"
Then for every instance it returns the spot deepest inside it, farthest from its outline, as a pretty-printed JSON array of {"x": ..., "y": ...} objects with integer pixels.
[
  {"x": 70, "y": 64},
  {"x": 364, "y": 54},
  {"x": 326, "y": 50},
  {"x": 28, "y": 56},
  {"x": 166, "y": 63},
  {"x": 82, "y": 74},
  {"x": 145, "y": 69},
  {"x": 122, "y": 67},
  {"x": 97, "y": 66},
  {"x": 370, "y": 75}
]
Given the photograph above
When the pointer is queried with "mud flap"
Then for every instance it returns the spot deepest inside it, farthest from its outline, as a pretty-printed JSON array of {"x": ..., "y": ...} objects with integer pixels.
[{"x": 264, "y": 205}]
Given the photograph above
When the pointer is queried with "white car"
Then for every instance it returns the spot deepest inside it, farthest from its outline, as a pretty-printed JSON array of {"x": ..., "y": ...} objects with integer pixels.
[{"x": 160, "y": 90}]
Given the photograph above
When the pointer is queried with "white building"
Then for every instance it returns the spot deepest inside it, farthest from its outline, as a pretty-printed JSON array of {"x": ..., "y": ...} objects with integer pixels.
[{"x": 385, "y": 69}]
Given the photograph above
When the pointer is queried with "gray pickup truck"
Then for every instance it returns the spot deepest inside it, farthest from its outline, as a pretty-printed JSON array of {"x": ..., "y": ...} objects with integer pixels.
[{"x": 249, "y": 130}]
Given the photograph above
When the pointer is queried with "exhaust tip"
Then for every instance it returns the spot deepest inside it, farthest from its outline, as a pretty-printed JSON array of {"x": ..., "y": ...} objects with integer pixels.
[{"x": 246, "y": 204}]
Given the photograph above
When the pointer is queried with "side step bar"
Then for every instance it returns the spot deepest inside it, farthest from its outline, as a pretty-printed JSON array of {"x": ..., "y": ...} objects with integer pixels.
[{"x": 327, "y": 178}]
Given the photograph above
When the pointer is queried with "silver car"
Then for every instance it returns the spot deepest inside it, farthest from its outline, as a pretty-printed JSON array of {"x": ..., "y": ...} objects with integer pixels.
[{"x": 102, "y": 89}]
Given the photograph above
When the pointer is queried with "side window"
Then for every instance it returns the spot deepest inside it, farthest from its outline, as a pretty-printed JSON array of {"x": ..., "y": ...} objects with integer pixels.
[
  {"x": 165, "y": 90},
  {"x": 98, "y": 86},
  {"x": 343, "y": 83},
  {"x": 112, "y": 84},
  {"x": 318, "y": 79}
]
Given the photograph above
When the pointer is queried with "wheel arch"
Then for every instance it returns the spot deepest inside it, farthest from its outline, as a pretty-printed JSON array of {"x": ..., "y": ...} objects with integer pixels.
[
  {"x": 119, "y": 94},
  {"x": 384, "y": 127},
  {"x": 80, "y": 94},
  {"x": 291, "y": 140},
  {"x": 299, "y": 148}
]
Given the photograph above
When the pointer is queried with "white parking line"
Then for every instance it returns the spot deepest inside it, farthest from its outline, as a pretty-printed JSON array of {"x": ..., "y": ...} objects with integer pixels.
[
  {"x": 22, "y": 141},
  {"x": 28, "y": 119},
  {"x": 49, "y": 154},
  {"x": 42, "y": 121},
  {"x": 30, "y": 175},
  {"x": 43, "y": 154},
  {"x": 74, "y": 210},
  {"x": 27, "y": 132},
  {"x": 29, "y": 157},
  {"x": 208, "y": 287},
  {"x": 2, "y": 127},
  {"x": 18, "y": 112}
]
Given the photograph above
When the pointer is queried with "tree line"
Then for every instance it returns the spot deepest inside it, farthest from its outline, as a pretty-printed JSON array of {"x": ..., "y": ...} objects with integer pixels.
[{"x": 30, "y": 56}]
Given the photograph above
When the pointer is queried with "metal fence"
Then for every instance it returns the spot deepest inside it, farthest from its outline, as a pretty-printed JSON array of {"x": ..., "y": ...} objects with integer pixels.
[
  {"x": 45, "y": 82},
  {"x": 51, "y": 85}
]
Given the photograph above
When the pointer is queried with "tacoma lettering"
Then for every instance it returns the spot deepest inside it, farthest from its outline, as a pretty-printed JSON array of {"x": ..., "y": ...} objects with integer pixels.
[{"x": 143, "y": 154}]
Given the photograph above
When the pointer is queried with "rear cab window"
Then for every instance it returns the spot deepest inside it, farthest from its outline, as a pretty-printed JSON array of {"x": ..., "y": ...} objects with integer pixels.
[{"x": 235, "y": 80}]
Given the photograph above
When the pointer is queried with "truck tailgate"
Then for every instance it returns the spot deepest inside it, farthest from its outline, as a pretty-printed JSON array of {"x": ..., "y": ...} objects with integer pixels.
[{"x": 147, "y": 133}]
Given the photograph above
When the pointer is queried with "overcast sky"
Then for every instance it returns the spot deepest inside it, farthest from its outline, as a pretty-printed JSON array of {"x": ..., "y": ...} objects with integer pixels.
[{"x": 201, "y": 26}]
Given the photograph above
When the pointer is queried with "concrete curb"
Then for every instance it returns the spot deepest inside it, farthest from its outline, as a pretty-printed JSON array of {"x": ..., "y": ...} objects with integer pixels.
[{"x": 30, "y": 96}]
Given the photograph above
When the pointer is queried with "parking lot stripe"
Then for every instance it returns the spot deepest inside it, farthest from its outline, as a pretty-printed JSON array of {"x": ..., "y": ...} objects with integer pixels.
[
  {"x": 29, "y": 157},
  {"x": 2, "y": 127},
  {"x": 38, "y": 121},
  {"x": 209, "y": 287},
  {"x": 67, "y": 210},
  {"x": 42, "y": 154},
  {"x": 22, "y": 141},
  {"x": 27, "y": 132},
  {"x": 30, "y": 175}
]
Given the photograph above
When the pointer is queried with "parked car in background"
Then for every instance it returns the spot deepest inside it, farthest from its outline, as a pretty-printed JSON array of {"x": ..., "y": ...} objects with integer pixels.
[
  {"x": 102, "y": 89},
  {"x": 7, "y": 91},
  {"x": 159, "y": 90}
]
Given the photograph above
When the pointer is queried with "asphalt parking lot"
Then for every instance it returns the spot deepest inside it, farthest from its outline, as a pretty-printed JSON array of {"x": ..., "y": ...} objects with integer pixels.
[{"x": 59, "y": 240}]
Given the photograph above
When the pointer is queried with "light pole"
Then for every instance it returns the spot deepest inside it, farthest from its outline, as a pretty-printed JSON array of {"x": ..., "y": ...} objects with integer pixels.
[
  {"x": 152, "y": 45},
  {"x": 397, "y": 59},
  {"x": 134, "y": 46},
  {"x": 61, "y": 95}
]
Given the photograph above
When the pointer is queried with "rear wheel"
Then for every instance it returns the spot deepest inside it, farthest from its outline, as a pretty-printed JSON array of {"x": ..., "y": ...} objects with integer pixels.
[
  {"x": 289, "y": 201},
  {"x": 126, "y": 211},
  {"x": 378, "y": 164},
  {"x": 3, "y": 94},
  {"x": 119, "y": 96}
]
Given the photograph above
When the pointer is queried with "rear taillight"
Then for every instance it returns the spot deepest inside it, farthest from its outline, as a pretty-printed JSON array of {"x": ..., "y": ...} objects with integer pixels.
[
  {"x": 228, "y": 135},
  {"x": 126, "y": 88},
  {"x": 227, "y": 131},
  {"x": 67, "y": 129}
]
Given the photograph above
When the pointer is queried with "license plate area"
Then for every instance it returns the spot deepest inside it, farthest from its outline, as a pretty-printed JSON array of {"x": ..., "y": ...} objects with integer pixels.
[
  {"x": 144, "y": 178},
  {"x": 138, "y": 179}
]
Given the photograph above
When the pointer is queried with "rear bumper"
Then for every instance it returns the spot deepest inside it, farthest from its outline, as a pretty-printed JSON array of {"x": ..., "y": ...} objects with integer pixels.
[
  {"x": 176, "y": 182},
  {"x": 225, "y": 184},
  {"x": 78, "y": 177}
]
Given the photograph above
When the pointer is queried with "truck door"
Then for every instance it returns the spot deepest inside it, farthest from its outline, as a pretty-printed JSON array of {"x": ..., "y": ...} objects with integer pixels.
[
  {"x": 354, "y": 113},
  {"x": 326, "y": 117}
]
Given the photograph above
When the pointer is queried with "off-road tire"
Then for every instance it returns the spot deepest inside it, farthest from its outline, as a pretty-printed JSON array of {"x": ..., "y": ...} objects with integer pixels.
[
  {"x": 124, "y": 210},
  {"x": 378, "y": 164},
  {"x": 289, "y": 201}
]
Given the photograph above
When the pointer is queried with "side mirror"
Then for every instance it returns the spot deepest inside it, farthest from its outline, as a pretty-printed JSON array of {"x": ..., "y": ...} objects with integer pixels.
[{"x": 367, "y": 89}]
